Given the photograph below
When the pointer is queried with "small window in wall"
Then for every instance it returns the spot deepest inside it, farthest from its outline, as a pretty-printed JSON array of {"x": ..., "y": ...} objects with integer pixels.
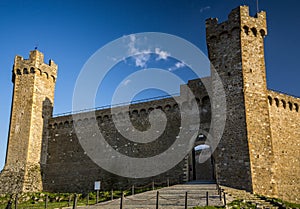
[
  {"x": 135, "y": 112},
  {"x": 290, "y": 105},
  {"x": 66, "y": 124},
  {"x": 270, "y": 100},
  {"x": 283, "y": 104},
  {"x": 296, "y": 107},
  {"x": 213, "y": 38},
  {"x": 262, "y": 32},
  {"x": 167, "y": 107},
  {"x": 254, "y": 31},
  {"x": 105, "y": 118},
  {"x": 25, "y": 71},
  {"x": 201, "y": 137},
  {"x": 246, "y": 29},
  {"x": 276, "y": 102},
  {"x": 159, "y": 108},
  {"x": 99, "y": 119}
]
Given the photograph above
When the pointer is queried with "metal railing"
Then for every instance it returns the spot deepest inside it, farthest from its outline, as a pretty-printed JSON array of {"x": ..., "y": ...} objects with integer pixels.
[
  {"x": 117, "y": 105},
  {"x": 51, "y": 201}
]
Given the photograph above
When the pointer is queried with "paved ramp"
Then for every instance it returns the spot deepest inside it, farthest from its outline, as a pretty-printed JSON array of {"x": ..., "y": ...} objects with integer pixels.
[{"x": 169, "y": 198}]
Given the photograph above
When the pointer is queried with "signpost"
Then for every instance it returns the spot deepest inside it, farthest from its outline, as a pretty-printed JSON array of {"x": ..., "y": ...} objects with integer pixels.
[{"x": 97, "y": 187}]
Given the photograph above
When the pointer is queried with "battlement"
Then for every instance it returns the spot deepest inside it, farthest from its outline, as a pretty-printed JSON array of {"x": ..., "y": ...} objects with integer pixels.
[
  {"x": 238, "y": 18},
  {"x": 35, "y": 65},
  {"x": 36, "y": 57},
  {"x": 283, "y": 101}
]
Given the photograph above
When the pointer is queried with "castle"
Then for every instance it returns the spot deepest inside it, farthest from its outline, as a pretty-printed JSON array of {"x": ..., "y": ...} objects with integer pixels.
[{"x": 258, "y": 152}]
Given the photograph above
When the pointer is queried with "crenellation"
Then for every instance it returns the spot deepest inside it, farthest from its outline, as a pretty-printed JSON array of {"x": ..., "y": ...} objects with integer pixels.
[
  {"x": 25, "y": 70},
  {"x": 36, "y": 57},
  {"x": 136, "y": 110},
  {"x": 35, "y": 64},
  {"x": 283, "y": 101}
]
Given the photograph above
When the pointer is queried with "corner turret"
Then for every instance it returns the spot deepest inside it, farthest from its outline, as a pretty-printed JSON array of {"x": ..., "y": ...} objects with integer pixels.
[
  {"x": 236, "y": 50},
  {"x": 32, "y": 105}
]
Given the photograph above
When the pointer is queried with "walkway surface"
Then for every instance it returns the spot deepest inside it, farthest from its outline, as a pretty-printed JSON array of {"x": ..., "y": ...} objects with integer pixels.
[{"x": 172, "y": 197}]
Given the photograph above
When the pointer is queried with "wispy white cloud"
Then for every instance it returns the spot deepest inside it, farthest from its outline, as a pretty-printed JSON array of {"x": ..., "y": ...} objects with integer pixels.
[
  {"x": 141, "y": 60},
  {"x": 203, "y": 9},
  {"x": 141, "y": 57},
  {"x": 177, "y": 66},
  {"x": 131, "y": 45},
  {"x": 180, "y": 65},
  {"x": 162, "y": 55}
]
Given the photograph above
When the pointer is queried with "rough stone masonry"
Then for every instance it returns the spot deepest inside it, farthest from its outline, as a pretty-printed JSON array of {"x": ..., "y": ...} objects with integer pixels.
[{"x": 259, "y": 150}]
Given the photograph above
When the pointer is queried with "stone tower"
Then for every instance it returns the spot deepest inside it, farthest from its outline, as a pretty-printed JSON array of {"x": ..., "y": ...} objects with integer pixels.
[
  {"x": 236, "y": 49},
  {"x": 34, "y": 83}
]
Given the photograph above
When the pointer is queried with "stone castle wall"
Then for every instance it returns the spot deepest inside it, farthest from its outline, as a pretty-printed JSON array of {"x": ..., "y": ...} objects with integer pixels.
[
  {"x": 69, "y": 168},
  {"x": 224, "y": 49},
  {"x": 254, "y": 30},
  {"x": 285, "y": 120}
]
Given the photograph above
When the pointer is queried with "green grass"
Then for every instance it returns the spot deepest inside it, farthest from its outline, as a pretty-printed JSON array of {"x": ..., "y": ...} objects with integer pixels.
[
  {"x": 55, "y": 200},
  {"x": 208, "y": 207},
  {"x": 59, "y": 200},
  {"x": 239, "y": 204},
  {"x": 279, "y": 202}
]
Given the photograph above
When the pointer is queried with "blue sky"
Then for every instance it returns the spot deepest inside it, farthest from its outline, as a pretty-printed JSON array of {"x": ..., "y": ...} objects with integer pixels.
[{"x": 69, "y": 32}]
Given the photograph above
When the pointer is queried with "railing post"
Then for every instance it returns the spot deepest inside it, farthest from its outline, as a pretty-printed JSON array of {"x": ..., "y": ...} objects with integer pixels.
[
  {"x": 157, "y": 199},
  {"x": 75, "y": 201},
  {"x": 206, "y": 198},
  {"x": 132, "y": 190},
  {"x": 46, "y": 201},
  {"x": 152, "y": 185},
  {"x": 9, "y": 204},
  {"x": 224, "y": 194},
  {"x": 121, "y": 201},
  {"x": 88, "y": 199},
  {"x": 97, "y": 196},
  {"x": 112, "y": 194},
  {"x": 168, "y": 182},
  {"x": 16, "y": 202},
  {"x": 185, "y": 202},
  {"x": 69, "y": 202}
]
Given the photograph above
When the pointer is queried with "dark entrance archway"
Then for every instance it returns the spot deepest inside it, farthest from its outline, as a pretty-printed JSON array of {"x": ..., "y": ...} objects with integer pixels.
[{"x": 201, "y": 164}]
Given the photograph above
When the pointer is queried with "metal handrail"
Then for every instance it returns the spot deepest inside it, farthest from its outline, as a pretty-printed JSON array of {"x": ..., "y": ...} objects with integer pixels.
[{"x": 116, "y": 105}]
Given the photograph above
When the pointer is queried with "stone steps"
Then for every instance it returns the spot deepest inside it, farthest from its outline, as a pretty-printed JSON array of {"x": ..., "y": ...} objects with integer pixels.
[
  {"x": 172, "y": 197},
  {"x": 235, "y": 194}
]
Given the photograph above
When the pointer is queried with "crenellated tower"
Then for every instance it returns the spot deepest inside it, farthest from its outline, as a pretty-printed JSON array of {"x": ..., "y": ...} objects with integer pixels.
[
  {"x": 236, "y": 50},
  {"x": 32, "y": 105}
]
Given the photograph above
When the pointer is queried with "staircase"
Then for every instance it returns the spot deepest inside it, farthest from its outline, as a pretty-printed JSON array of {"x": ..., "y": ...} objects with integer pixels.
[
  {"x": 260, "y": 203},
  {"x": 172, "y": 197}
]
